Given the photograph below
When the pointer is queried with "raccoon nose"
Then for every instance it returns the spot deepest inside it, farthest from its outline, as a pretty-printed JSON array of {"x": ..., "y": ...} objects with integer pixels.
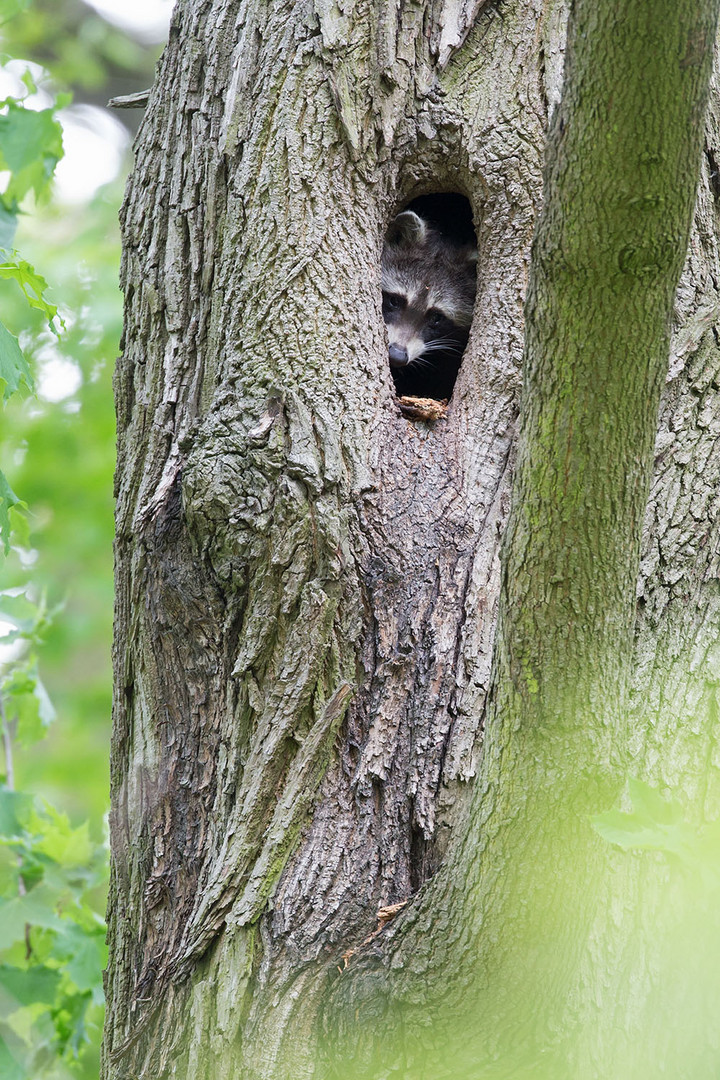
[{"x": 398, "y": 356}]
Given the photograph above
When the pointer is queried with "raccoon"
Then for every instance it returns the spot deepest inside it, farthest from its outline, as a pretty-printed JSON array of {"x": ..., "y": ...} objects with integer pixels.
[{"x": 428, "y": 292}]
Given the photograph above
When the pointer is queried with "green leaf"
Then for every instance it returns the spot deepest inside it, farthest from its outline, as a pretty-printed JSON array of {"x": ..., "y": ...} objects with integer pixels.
[
  {"x": 8, "y": 501},
  {"x": 25, "y": 696},
  {"x": 9, "y": 869},
  {"x": 32, "y": 284},
  {"x": 34, "y": 714},
  {"x": 655, "y": 824},
  {"x": 37, "y": 908},
  {"x": 8, "y": 10},
  {"x": 10, "y": 1069},
  {"x": 30, "y": 147},
  {"x": 29, "y": 619},
  {"x": 27, "y": 701},
  {"x": 649, "y": 804},
  {"x": 35, "y": 1031},
  {"x": 28, "y": 81},
  {"x": 18, "y": 987},
  {"x": 19, "y": 524},
  {"x": 628, "y": 831},
  {"x": 14, "y": 370},
  {"x": 8, "y": 225},
  {"x": 58, "y": 840},
  {"x": 15, "y": 808},
  {"x": 70, "y": 1022},
  {"x": 87, "y": 959}
]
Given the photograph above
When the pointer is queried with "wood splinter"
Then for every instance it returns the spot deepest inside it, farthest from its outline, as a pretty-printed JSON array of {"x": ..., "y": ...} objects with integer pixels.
[{"x": 418, "y": 408}]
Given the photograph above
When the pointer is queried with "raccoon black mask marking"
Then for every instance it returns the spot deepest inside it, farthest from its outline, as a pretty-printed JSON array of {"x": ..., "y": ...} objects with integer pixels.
[{"x": 428, "y": 292}]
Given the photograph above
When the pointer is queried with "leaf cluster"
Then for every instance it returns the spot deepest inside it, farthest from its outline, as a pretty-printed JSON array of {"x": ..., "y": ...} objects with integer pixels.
[
  {"x": 52, "y": 942},
  {"x": 27, "y": 711},
  {"x": 30, "y": 148}
]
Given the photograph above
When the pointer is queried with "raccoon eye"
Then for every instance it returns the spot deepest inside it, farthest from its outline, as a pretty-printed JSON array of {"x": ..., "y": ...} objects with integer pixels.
[
  {"x": 435, "y": 318},
  {"x": 392, "y": 301}
]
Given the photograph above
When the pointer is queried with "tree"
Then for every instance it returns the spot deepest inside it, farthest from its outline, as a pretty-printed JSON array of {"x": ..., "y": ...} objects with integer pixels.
[{"x": 351, "y": 810}]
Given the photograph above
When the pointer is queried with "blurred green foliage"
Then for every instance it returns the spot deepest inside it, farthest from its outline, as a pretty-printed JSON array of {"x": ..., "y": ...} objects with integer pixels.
[
  {"x": 59, "y": 332},
  {"x": 77, "y": 47},
  {"x": 52, "y": 942},
  {"x": 60, "y": 458}
]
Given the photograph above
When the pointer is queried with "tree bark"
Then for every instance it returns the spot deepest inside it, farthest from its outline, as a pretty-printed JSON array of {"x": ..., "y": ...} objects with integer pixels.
[{"x": 308, "y": 583}]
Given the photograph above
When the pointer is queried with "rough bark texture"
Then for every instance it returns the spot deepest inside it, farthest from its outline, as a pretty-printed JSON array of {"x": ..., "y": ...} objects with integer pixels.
[{"x": 307, "y": 581}]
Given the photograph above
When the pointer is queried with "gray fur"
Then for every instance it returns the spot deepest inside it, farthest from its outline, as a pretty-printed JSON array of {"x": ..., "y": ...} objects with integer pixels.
[{"x": 430, "y": 274}]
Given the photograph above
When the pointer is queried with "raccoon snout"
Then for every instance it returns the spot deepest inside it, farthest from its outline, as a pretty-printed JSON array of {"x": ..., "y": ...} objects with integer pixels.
[{"x": 398, "y": 356}]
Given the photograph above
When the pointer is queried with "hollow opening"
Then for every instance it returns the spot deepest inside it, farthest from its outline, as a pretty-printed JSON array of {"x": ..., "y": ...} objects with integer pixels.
[{"x": 429, "y": 265}]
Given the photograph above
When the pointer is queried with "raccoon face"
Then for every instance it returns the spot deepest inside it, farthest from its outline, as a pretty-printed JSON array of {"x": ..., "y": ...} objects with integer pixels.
[
  {"x": 417, "y": 327},
  {"x": 428, "y": 292}
]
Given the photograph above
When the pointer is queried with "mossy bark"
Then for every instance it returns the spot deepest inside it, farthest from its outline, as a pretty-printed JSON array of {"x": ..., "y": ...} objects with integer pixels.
[{"x": 308, "y": 582}]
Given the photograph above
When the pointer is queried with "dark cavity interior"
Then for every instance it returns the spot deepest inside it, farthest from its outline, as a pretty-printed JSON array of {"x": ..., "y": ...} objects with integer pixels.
[{"x": 429, "y": 282}]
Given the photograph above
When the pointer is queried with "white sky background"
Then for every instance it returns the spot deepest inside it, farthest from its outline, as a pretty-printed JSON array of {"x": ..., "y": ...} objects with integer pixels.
[{"x": 146, "y": 18}]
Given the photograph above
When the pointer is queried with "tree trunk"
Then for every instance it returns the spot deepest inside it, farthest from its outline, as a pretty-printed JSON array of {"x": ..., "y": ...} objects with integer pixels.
[{"x": 308, "y": 582}]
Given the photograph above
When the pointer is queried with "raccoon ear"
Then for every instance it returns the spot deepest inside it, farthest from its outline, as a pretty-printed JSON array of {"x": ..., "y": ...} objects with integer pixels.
[{"x": 407, "y": 230}]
